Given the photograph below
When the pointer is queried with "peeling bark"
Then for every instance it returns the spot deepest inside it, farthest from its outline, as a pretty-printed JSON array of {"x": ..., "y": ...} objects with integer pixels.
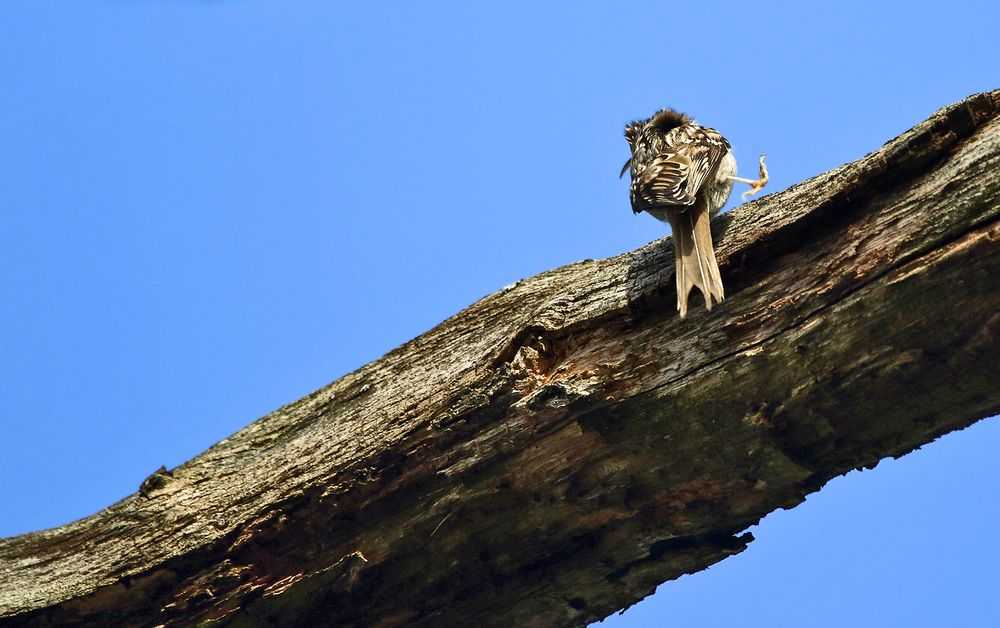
[{"x": 555, "y": 451}]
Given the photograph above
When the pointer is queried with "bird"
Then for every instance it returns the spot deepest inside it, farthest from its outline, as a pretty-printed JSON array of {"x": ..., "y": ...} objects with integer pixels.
[{"x": 683, "y": 173}]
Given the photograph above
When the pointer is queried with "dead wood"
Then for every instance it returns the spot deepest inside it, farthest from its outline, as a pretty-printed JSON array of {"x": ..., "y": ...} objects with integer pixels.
[{"x": 552, "y": 453}]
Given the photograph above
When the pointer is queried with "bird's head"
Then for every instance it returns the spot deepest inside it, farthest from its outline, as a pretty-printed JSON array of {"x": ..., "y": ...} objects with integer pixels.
[
  {"x": 662, "y": 121},
  {"x": 667, "y": 119},
  {"x": 632, "y": 131}
]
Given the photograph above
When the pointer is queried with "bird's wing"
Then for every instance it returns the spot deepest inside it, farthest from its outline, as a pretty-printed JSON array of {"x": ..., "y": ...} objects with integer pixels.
[
  {"x": 675, "y": 175},
  {"x": 704, "y": 148},
  {"x": 663, "y": 182}
]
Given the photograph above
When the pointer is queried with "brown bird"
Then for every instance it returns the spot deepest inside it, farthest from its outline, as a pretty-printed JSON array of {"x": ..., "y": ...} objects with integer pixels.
[{"x": 683, "y": 173}]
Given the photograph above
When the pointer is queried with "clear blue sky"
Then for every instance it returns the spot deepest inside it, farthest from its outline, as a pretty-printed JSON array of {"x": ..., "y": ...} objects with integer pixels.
[{"x": 211, "y": 208}]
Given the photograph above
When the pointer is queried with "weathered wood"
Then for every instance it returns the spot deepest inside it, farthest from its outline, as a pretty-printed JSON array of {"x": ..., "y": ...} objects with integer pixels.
[{"x": 555, "y": 451}]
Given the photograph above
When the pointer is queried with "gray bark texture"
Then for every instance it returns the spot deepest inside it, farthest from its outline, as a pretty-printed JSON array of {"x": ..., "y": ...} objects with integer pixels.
[{"x": 552, "y": 453}]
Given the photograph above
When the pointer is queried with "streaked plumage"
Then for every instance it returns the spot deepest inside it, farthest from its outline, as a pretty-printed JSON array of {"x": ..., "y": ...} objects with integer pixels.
[{"x": 682, "y": 173}]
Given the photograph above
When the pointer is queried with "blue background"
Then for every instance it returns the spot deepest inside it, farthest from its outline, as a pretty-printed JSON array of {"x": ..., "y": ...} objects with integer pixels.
[{"x": 211, "y": 208}]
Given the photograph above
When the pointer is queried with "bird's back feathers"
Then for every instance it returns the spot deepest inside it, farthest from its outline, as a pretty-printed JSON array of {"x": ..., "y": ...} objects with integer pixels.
[{"x": 671, "y": 168}]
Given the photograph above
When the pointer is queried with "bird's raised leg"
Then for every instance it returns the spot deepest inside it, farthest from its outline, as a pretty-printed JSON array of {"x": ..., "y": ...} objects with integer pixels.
[{"x": 755, "y": 186}]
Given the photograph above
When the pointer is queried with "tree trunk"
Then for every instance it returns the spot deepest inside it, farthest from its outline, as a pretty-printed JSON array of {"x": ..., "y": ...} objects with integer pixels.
[{"x": 555, "y": 451}]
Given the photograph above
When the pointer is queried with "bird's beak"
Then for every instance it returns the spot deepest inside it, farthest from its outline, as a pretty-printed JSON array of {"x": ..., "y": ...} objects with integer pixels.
[{"x": 628, "y": 164}]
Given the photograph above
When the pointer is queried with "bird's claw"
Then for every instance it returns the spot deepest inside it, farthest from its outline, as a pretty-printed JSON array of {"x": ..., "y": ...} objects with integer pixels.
[{"x": 758, "y": 185}]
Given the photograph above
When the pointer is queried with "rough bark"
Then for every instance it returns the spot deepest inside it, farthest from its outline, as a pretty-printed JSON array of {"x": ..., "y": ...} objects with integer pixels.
[{"x": 552, "y": 453}]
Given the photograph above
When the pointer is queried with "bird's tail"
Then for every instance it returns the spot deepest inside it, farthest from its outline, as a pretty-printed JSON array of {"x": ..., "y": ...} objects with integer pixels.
[{"x": 695, "y": 255}]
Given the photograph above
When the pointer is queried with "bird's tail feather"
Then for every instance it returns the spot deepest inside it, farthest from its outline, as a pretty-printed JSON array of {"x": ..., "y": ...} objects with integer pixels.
[{"x": 695, "y": 256}]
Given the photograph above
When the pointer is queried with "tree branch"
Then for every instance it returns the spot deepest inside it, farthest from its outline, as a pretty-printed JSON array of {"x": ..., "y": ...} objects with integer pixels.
[{"x": 552, "y": 453}]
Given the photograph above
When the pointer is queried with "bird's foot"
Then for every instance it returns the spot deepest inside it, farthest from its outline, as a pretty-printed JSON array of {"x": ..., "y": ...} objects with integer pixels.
[{"x": 755, "y": 185}]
